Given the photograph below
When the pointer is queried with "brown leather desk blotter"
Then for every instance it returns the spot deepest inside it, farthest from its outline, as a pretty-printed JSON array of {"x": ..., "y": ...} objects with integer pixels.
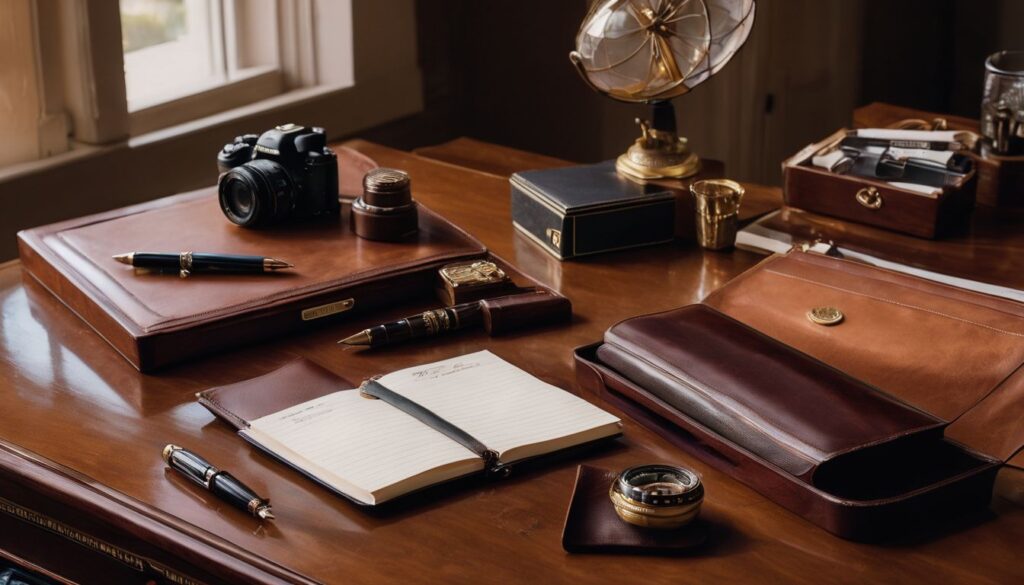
[
  {"x": 591, "y": 525},
  {"x": 156, "y": 319}
]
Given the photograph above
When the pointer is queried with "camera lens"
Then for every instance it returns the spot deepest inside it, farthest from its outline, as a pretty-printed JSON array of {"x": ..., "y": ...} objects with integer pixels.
[
  {"x": 257, "y": 193},
  {"x": 240, "y": 198}
]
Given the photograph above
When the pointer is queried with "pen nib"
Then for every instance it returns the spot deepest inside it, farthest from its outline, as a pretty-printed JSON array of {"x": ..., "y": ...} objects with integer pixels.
[
  {"x": 265, "y": 513},
  {"x": 275, "y": 264},
  {"x": 124, "y": 258},
  {"x": 361, "y": 338}
]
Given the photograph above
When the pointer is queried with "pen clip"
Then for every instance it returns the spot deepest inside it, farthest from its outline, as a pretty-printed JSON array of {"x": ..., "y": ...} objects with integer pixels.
[{"x": 185, "y": 262}]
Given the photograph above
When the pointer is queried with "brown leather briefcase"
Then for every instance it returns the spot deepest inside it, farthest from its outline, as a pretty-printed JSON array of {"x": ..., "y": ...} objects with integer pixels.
[
  {"x": 953, "y": 353},
  {"x": 902, "y": 411}
]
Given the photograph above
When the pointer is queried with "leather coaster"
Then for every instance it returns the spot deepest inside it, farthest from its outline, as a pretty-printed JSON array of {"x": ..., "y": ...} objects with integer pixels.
[{"x": 592, "y": 526}]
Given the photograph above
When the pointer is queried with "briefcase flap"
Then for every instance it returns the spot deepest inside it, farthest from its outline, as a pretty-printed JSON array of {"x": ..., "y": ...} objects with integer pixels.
[
  {"x": 788, "y": 408},
  {"x": 952, "y": 353}
]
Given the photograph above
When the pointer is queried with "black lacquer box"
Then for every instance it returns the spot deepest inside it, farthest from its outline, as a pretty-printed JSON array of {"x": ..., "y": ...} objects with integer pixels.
[{"x": 581, "y": 210}]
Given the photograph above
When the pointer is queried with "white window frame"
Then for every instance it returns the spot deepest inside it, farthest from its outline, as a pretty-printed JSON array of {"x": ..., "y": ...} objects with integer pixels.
[
  {"x": 271, "y": 47},
  {"x": 170, "y": 147},
  {"x": 91, "y": 63}
]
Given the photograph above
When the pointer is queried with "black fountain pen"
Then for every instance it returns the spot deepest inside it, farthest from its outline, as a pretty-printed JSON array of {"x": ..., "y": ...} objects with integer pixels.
[
  {"x": 426, "y": 324},
  {"x": 221, "y": 483},
  {"x": 185, "y": 263},
  {"x": 499, "y": 315}
]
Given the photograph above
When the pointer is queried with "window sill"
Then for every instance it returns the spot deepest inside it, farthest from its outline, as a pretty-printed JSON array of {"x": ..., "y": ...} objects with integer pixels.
[{"x": 258, "y": 83}]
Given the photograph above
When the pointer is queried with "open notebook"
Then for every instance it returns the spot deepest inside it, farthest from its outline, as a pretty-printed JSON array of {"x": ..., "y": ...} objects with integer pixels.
[{"x": 371, "y": 451}]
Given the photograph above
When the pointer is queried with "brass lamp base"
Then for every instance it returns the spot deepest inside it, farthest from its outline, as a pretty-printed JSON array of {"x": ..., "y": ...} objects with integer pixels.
[{"x": 658, "y": 155}]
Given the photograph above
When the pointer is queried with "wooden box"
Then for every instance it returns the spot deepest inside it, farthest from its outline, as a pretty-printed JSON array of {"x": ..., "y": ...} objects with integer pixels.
[{"x": 876, "y": 202}]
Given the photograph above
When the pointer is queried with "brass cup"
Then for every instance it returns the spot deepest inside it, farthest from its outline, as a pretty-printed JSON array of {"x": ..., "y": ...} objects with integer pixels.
[{"x": 718, "y": 209}]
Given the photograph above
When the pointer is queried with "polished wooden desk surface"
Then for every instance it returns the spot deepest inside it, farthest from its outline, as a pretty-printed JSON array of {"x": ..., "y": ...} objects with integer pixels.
[{"x": 91, "y": 419}]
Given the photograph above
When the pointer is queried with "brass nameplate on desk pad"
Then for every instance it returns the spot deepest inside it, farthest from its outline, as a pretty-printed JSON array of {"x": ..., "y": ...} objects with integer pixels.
[
  {"x": 328, "y": 309},
  {"x": 153, "y": 320}
]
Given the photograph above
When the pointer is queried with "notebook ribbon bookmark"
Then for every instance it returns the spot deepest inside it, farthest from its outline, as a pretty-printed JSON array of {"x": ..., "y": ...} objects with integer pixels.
[{"x": 426, "y": 416}]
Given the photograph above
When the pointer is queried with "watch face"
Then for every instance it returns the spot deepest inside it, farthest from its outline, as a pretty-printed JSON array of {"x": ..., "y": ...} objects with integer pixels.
[
  {"x": 660, "y": 485},
  {"x": 657, "y": 496}
]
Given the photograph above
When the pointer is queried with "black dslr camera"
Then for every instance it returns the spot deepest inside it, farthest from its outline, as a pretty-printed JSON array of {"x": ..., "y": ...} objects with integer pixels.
[{"x": 285, "y": 174}]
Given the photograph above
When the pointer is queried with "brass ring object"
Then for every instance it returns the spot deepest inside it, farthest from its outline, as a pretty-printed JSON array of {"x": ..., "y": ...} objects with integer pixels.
[
  {"x": 869, "y": 197},
  {"x": 657, "y": 496}
]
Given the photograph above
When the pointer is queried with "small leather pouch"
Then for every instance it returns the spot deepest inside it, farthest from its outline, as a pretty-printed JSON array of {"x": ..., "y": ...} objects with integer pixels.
[
  {"x": 510, "y": 313},
  {"x": 591, "y": 525}
]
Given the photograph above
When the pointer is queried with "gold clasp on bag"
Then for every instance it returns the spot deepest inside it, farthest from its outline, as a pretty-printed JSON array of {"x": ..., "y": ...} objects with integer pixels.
[
  {"x": 826, "y": 316},
  {"x": 869, "y": 197}
]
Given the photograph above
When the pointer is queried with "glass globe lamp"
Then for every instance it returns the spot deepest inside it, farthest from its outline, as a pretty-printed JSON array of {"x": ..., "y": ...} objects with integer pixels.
[{"x": 650, "y": 51}]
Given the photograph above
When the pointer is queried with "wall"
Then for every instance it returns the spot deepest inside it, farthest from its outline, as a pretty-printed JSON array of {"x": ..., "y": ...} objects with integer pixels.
[
  {"x": 930, "y": 54},
  {"x": 521, "y": 90}
]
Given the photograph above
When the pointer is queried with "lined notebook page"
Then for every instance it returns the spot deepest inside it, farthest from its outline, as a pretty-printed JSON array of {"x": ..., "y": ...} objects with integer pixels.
[
  {"x": 504, "y": 407},
  {"x": 361, "y": 446}
]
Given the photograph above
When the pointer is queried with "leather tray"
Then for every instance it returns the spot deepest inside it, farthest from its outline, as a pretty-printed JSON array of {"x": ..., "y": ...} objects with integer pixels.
[
  {"x": 815, "y": 451},
  {"x": 592, "y": 525},
  {"x": 155, "y": 320}
]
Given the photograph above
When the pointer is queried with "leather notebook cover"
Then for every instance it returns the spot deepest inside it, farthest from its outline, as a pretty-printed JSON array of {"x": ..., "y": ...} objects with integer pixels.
[
  {"x": 592, "y": 526},
  {"x": 949, "y": 352},
  {"x": 158, "y": 319},
  {"x": 294, "y": 383},
  {"x": 244, "y": 403}
]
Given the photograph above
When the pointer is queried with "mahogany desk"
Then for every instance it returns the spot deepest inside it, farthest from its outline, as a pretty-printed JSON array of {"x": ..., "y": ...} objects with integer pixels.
[{"x": 81, "y": 433}]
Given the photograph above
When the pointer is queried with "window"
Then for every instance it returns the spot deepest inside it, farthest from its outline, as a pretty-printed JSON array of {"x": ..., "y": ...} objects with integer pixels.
[
  {"x": 72, "y": 138},
  {"x": 171, "y": 48},
  {"x": 101, "y": 72},
  {"x": 184, "y": 59}
]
